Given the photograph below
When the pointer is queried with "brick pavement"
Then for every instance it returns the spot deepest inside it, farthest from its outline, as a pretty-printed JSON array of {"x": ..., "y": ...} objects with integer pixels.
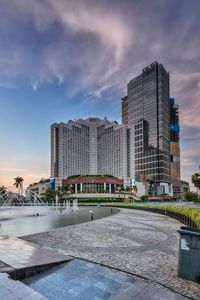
[{"x": 141, "y": 243}]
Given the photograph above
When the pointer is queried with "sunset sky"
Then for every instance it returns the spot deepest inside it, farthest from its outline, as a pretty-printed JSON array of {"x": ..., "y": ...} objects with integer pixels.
[{"x": 65, "y": 59}]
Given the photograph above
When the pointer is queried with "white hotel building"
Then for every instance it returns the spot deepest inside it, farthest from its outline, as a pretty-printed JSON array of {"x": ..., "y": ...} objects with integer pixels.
[{"x": 92, "y": 147}]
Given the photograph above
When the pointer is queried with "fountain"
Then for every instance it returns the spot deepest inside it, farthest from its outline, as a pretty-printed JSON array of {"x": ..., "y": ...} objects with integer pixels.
[
  {"x": 75, "y": 204},
  {"x": 28, "y": 198},
  {"x": 28, "y": 213}
]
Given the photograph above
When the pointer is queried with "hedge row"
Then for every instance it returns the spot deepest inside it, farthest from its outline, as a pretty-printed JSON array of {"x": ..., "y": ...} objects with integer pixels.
[
  {"x": 99, "y": 200},
  {"x": 187, "y": 215}
]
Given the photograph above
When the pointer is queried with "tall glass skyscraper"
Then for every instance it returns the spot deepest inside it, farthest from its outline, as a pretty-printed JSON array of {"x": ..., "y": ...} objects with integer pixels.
[{"x": 146, "y": 106}]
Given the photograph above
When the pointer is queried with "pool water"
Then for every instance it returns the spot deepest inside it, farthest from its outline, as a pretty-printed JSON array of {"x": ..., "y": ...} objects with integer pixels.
[{"x": 19, "y": 221}]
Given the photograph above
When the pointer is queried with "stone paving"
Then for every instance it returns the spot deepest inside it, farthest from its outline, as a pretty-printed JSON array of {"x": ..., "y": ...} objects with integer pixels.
[
  {"x": 82, "y": 280},
  {"x": 20, "y": 254},
  {"x": 14, "y": 290},
  {"x": 78, "y": 280},
  {"x": 137, "y": 242}
]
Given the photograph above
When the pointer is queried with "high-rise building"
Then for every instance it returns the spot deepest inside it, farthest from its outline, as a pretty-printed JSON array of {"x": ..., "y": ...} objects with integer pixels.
[
  {"x": 175, "y": 148},
  {"x": 92, "y": 147},
  {"x": 146, "y": 107}
]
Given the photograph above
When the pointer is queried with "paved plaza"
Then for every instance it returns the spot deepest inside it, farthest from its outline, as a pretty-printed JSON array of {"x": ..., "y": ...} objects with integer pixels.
[
  {"x": 15, "y": 290},
  {"x": 137, "y": 242},
  {"x": 19, "y": 254},
  {"x": 20, "y": 257},
  {"x": 82, "y": 280},
  {"x": 129, "y": 255}
]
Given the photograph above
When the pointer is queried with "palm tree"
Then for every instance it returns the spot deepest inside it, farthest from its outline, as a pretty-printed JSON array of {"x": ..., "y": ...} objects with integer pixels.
[
  {"x": 19, "y": 183},
  {"x": 2, "y": 190},
  {"x": 196, "y": 181}
]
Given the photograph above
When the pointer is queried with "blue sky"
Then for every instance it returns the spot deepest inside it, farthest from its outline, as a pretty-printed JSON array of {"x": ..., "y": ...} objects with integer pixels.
[{"x": 65, "y": 59}]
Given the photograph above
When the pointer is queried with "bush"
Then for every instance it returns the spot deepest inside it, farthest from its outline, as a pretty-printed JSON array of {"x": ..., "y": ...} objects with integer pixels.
[{"x": 99, "y": 200}]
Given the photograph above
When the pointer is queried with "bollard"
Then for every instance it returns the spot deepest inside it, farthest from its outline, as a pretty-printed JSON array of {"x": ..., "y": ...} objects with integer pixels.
[{"x": 91, "y": 215}]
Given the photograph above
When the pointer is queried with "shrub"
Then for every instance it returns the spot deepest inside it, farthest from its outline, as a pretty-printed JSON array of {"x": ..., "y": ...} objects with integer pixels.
[{"x": 99, "y": 200}]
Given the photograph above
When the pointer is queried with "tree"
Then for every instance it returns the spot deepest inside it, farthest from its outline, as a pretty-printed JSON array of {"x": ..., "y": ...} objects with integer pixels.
[
  {"x": 196, "y": 181},
  {"x": 150, "y": 187},
  {"x": 2, "y": 190},
  {"x": 49, "y": 194},
  {"x": 42, "y": 180},
  {"x": 65, "y": 189},
  {"x": 144, "y": 198},
  {"x": 19, "y": 183},
  {"x": 191, "y": 196},
  {"x": 61, "y": 191},
  {"x": 128, "y": 188}
]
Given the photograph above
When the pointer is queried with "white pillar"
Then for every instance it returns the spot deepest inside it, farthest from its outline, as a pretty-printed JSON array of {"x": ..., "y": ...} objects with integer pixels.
[
  {"x": 110, "y": 188},
  {"x": 104, "y": 186},
  {"x": 81, "y": 187},
  {"x": 75, "y": 188}
]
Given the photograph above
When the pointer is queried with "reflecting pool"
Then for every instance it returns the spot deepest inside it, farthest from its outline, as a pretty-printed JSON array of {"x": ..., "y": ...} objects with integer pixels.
[{"x": 24, "y": 220}]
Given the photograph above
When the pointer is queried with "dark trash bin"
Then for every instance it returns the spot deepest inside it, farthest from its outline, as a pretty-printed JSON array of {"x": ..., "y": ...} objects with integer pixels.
[{"x": 189, "y": 254}]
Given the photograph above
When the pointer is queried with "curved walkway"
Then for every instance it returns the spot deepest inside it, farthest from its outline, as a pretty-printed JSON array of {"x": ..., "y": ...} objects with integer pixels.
[{"x": 141, "y": 243}]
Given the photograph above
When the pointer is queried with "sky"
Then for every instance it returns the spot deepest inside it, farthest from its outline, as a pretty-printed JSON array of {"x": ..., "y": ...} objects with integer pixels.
[{"x": 66, "y": 59}]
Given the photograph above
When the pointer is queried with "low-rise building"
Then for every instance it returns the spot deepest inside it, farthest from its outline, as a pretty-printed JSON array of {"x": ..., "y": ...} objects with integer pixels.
[
  {"x": 93, "y": 184},
  {"x": 40, "y": 187},
  {"x": 179, "y": 191}
]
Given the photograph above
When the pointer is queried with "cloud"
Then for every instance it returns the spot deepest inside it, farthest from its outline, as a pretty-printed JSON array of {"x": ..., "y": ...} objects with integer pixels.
[
  {"x": 82, "y": 16},
  {"x": 99, "y": 91},
  {"x": 94, "y": 47},
  {"x": 187, "y": 90},
  {"x": 85, "y": 39}
]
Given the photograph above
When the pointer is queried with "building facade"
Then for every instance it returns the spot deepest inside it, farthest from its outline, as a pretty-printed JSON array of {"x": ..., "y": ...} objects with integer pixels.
[
  {"x": 40, "y": 187},
  {"x": 92, "y": 147},
  {"x": 146, "y": 107},
  {"x": 93, "y": 184},
  {"x": 181, "y": 189},
  {"x": 175, "y": 148}
]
